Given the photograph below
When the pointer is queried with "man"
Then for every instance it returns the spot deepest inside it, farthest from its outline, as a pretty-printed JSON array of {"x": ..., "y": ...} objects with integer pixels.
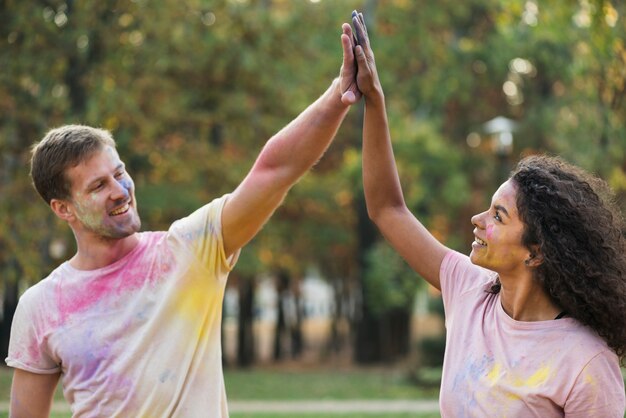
[{"x": 132, "y": 320}]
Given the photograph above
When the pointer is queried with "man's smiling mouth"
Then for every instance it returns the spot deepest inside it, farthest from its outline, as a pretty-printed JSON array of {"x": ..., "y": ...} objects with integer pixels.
[{"x": 121, "y": 210}]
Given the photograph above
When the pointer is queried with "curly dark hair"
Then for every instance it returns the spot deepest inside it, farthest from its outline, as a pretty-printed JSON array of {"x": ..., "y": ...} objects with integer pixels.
[{"x": 572, "y": 217}]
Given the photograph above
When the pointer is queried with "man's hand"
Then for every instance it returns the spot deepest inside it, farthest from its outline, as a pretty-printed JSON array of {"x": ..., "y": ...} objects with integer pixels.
[{"x": 350, "y": 93}]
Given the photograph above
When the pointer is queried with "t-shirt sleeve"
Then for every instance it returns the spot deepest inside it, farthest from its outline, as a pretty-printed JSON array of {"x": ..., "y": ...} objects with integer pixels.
[
  {"x": 27, "y": 346},
  {"x": 598, "y": 391},
  {"x": 201, "y": 233},
  {"x": 457, "y": 275}
]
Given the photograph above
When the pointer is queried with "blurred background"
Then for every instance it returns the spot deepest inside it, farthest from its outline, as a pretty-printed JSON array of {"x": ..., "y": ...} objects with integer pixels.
[{"x": 192, "y": 89}]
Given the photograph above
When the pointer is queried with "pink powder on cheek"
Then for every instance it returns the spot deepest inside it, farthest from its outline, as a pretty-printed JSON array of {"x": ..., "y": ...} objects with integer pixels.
[{"x": 489, "y": 231}]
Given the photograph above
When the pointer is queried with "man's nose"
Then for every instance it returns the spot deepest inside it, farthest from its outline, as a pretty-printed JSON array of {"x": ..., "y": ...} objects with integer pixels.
[{"x": 120, "y": 190}]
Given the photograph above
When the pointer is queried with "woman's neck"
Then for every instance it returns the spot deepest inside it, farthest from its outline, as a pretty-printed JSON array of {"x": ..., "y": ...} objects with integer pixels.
[{"x": 523, "y": 299}]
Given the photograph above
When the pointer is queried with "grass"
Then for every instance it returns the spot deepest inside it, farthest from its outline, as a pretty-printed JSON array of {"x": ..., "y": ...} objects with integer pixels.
[{"x": 323, "y": 385}]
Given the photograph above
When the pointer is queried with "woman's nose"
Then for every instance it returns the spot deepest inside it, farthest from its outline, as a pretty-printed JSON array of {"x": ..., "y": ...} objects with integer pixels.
[{"x": 477, "y": 220}]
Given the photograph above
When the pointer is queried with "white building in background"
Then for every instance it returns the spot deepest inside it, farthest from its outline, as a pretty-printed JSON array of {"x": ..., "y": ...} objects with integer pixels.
[
  {"x": 316, "y": 306},
  {"x": 317, "y": 298},
  {"x": 266, "y": 301}
]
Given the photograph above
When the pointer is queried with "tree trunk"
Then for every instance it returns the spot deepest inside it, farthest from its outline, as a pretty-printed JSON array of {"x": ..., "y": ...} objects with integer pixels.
[
  {"x": 282, "y": 286},
  {"x": 367, "y": 348},
  {"x": 9, "y": 304},
  {"x": 395, "y": 334},
  {"x": 245, "y": 336}
]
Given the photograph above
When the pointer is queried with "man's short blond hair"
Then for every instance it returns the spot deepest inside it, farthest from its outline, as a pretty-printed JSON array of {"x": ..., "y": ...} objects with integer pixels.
[{"x": 60, "y": 149}]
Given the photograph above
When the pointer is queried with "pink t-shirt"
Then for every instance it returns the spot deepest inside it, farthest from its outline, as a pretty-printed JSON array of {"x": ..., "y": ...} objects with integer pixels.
[
  {"x": 496, "y": 366},
  {"x": 140, "y": 337}
]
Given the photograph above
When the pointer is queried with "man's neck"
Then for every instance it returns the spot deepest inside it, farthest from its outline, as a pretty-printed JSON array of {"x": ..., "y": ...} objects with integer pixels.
[{"x": 100, "y": 253}]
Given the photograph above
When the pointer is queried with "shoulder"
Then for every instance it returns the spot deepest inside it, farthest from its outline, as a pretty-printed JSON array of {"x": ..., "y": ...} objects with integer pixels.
[
  {"x": 209, "y": 213},
  {"x": 583, "y": 353},
  {"x": 42, "y": 288},
  {"x": 584, "y": 339},
  {"x": 150, "y": 239}
]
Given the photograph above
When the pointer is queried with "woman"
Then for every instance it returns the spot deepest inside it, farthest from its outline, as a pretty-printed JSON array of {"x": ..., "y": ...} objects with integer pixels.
[{"x": 536, "y": 315}]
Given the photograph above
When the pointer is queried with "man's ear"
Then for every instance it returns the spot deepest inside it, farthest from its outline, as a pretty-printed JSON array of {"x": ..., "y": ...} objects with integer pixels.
[
  {"x": 63, "y": 209},
  {"x": 535, "y": 257}
]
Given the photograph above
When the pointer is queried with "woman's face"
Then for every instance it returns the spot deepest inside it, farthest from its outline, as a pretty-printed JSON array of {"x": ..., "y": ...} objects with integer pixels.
[{"x": 498, "y": 234}]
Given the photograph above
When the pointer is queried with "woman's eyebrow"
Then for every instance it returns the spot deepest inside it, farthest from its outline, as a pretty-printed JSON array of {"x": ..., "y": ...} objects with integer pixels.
[{"x": 502, "y": 209}]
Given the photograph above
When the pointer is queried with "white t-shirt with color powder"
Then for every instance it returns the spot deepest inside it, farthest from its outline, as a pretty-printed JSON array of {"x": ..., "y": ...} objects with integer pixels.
[
  {"x": 140, "y": 337},
  {"x": 496, "y": 366}
]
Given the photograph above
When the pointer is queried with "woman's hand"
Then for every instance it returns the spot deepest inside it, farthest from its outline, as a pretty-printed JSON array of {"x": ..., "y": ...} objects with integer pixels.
[{"x": 367, "y": 79}]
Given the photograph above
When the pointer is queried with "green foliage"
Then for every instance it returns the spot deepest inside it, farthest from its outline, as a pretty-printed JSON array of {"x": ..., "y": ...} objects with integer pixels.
[
  {"x": 389, "y": 282},
  {"x": 431, "y": 351}
]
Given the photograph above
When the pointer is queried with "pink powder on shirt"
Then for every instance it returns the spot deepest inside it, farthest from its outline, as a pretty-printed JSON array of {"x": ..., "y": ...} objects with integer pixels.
[{"x": 118, "y": 281}]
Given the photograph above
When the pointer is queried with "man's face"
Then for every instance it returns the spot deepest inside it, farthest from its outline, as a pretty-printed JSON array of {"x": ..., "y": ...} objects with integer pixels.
[{"x": 103, "y": 196}]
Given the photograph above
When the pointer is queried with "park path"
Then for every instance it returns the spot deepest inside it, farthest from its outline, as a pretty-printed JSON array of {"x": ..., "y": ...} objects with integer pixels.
[{"x": 341, "y": 406}]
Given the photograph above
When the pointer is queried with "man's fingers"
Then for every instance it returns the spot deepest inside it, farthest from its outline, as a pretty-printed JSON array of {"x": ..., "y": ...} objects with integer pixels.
[
  {"x": 348, "y": 52},
  {"x": 349, "y": 98},
  {"x": 346, "y": 43},
  {"x": 347, "y": 30}
]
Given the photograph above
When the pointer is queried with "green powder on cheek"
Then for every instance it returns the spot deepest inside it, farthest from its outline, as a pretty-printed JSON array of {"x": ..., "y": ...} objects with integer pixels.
[{"x": 88, "y": 218}]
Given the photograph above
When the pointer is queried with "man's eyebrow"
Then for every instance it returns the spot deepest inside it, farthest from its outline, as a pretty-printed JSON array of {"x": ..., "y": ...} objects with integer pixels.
[{"x": 502, "y": 209}]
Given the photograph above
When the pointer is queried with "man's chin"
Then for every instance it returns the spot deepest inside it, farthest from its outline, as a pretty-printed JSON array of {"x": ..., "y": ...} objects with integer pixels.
[{"x": 121, "y": 233}]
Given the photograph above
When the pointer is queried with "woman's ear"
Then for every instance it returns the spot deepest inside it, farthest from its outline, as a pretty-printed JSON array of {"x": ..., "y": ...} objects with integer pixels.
[
  {"x": 63, "y": 209},
  {"x": 535, "y": 258}
]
